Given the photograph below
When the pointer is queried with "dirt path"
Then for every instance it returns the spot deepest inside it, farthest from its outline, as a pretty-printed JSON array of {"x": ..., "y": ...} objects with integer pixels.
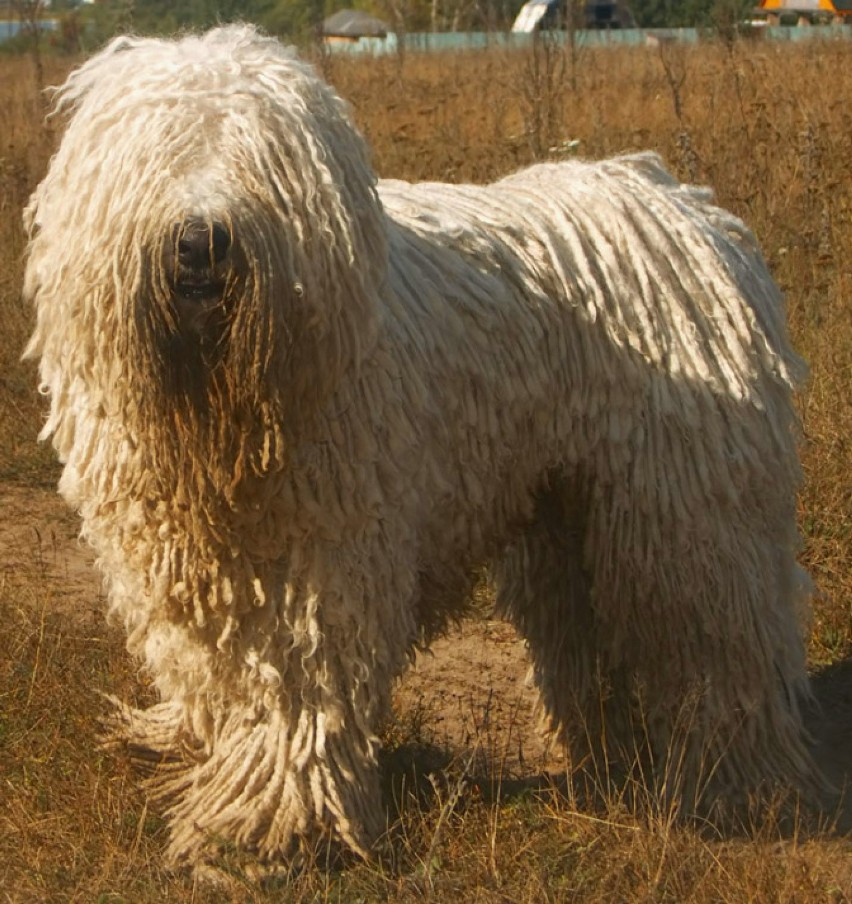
[{"x": 39, "y": 540}]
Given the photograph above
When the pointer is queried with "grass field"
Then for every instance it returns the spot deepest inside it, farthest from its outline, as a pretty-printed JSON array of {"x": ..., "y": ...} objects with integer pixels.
[{"x": 768, "y": 127}]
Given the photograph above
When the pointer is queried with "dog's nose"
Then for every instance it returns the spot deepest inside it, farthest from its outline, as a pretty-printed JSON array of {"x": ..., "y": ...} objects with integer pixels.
[{"x": 202, "y": 244}]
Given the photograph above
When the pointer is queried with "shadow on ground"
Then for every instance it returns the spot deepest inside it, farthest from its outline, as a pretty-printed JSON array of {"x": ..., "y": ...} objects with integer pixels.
[
  {"x": 460, "y": 764},
  {"x": 830, "y": 722}
]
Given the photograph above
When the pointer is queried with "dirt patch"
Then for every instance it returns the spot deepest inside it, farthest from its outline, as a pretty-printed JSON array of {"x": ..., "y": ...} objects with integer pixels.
[
  {"x": 40, "y": 546},
  {"x": 470, "y": 692}
]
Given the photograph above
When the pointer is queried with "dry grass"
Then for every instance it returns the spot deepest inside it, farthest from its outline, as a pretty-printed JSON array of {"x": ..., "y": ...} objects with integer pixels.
[
  {"x": 25, "y": 145},
  {"x": 768, "y": 126}
]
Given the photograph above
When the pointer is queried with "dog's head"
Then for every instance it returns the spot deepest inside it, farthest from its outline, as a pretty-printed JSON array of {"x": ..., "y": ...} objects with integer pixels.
[{"x": 207, "y": 237}]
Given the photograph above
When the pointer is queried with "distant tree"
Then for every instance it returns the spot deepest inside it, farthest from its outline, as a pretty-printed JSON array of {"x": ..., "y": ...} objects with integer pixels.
[
  {"x": 726, "y": 17},
  {"x": 30, "y": 14},
  {"x": 446, "y": 15},
  {"x": 669, "y": 13},
  {"x": 293, "y": 20},
  {"x": 691, "y": 13},
  {"x": 101, "y": 21},
  {"x": 166, "y": 16}
]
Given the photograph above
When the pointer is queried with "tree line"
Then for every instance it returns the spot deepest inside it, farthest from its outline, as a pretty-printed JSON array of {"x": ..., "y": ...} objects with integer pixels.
[{"x": 85, "y": 26}]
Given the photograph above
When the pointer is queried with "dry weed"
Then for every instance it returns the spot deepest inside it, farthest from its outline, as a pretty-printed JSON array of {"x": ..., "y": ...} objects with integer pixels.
[{"x": 768, "y": 127}]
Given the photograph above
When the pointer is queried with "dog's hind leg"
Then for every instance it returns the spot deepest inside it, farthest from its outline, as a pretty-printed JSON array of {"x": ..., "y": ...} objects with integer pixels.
[{"x": 665, "y": 648}]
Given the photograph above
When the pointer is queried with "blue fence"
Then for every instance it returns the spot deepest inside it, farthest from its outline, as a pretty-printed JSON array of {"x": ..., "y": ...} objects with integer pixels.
[
  {"x": 9, "y": 28},
  {"x": 449, "y": 41},
  {"x": 481, "y": 40}
]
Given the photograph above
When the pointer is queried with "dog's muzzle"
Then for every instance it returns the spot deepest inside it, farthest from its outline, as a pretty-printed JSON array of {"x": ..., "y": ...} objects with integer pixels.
[
  {"x": 196, "y": 256},
  {"x": 196, "y": 259}
]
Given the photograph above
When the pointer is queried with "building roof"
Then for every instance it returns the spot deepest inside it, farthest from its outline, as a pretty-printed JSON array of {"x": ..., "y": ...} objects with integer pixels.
[
  {"x": 806, "y": 6},
  {"x": 353, "y": 23}
]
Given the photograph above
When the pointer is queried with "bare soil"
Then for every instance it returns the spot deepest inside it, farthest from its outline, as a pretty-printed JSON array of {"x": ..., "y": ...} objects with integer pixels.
[{"x": 39, "y": 540}]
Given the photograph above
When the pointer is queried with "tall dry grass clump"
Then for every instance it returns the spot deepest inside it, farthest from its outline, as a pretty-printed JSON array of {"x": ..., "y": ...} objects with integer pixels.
[
  {"x": 768, "y": 126},
  {"x": 25, "y": 146}
]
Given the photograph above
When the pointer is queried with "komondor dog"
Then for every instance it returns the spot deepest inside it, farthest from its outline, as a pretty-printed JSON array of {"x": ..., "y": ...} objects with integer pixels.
[{"x": 299, "y": 410}]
